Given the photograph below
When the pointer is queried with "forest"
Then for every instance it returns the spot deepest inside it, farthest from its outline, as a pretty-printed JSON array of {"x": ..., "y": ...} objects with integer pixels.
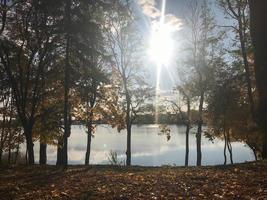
[{"x": 65, "y": 63}]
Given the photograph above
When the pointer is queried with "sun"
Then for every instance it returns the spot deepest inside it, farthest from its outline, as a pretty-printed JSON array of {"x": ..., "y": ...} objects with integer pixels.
[{"x": 161, "y": 44}]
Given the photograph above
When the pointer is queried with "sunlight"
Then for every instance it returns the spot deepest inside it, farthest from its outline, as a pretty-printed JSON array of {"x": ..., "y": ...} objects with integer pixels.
[
  {"x": 161, "y": 44},
  {"x": 160, "y": 50}
]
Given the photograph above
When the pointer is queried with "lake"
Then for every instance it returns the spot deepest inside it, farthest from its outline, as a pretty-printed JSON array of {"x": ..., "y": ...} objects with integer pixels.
[{"x": 148, "y": 148}]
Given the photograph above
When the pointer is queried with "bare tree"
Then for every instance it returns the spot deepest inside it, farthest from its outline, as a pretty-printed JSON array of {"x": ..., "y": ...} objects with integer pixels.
[
  {"x": 238, "y": 11},
  {"x": 125, "y": 46},
  {"x": 185, "y": 117}
]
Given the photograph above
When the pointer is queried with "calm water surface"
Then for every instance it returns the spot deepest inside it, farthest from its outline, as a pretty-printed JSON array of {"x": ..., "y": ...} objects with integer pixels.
[{"x": 148, "y": 148}]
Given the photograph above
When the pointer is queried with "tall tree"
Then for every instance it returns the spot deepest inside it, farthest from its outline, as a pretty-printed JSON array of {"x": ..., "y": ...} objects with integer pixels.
[
  {"x": 62, "y": 152},
  {"x": 81, "y": 34},
  {"x": 184, "y": 117},
  {"x": 258, "y": 14},
  {"x": 48, "y": 124},
  {"x": 201, "y": 52},
  {"x": 125, "y": 44},
  {"x": 187, "y": 119},
  {"x": 67, "y": 116},
  {"x": 224, "y": 113},
  {"x": 237, "y": 10},
  {"x": 24, "y": 56},
  {"x": 91, "y": 87}
]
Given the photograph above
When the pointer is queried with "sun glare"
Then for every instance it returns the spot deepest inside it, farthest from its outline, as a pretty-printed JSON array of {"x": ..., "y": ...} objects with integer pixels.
[
  {"x": 160, "y": 50},
  {"x": 161, "y": 44}
]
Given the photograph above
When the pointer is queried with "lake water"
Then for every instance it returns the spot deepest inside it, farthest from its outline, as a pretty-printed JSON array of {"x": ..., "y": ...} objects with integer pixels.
[{"x": 148, "y": 148}]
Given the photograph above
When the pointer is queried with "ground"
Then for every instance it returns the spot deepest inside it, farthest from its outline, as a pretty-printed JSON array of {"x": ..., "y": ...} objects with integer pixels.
[{"x": 240, "y": 181}]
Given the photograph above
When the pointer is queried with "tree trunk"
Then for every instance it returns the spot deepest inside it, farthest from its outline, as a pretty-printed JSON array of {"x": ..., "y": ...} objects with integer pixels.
[
  {"x": 187, "y": 144},
  {"x": 66, "y": 134},
  {"x": 187, "y": 133},
  {"x": 128, "y": 151},
  {"x": 9, "y": 145},
  {"x": 4, "y": 132},
  {"x": 258, "y": 15},
  {"x": 26, "y": 156},
  {"x": 89, "y": 137},
  {"x": 59, "y": 151},
  {"x": 230, "y": 151},
  {"x": 17, "y": 154},
  {"x": 253, "y": 148},
  {"x": 128, "y": 125},
  {"x": 9, "y": 155},
  {"x": 30, "y": 145},
  {"x": 1, "y": 145},
  {"x": 42, "y": 153},
  {"x": 1, "y": 154},
  {"x": 224, "y": 149},
  {"x": 247, "y": 70},
  {"x": 255, "y": 154},
  {"x": 229, "y": 146},
  {"x": 64, "y": 151},
  {"x": 199, "y": 129}
]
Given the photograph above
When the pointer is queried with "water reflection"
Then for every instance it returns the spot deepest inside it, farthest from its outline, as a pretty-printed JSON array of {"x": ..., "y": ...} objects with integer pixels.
[{"x": 148, "y": 148}]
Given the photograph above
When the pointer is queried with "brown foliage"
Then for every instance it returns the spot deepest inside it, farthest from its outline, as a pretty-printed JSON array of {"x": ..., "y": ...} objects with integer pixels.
[{"x": 243, "y": 181}]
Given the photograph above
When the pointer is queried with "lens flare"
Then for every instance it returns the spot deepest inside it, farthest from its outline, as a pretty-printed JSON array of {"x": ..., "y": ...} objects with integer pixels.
[
  {"x": 160, "y": 50},
  {"x": 161, "y": 45}
]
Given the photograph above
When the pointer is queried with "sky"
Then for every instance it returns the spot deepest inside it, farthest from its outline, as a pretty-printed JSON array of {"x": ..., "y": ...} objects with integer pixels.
[{"x": 148, "y": 12}]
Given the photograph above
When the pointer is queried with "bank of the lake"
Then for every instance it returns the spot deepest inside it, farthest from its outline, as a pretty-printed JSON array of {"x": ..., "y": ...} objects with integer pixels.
[{"x": 239, "y": 181}]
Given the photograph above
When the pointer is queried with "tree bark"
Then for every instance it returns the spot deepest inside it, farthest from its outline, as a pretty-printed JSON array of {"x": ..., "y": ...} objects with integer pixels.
[
  {"x": 237, "y": 13},
  {"x": 42, "y": 153},
  {"x": 255, "y": 154},
  {"x": 9, "y": 155},
  {"x": 199, "y": 129},
  {"x": 229, "y": 146},
  {"x": 89, "y": 138},
  {"x": 128, "y": 127},
  {"x": 258, "y": 15},
  {"x": 2, "y": 142},
  {"x": 30, "y": 145},
  {"x": 66, "y": 134},
  {"x": 65, "y": 151},
  {"x": 1, "y": 154},
  {"x": 128, "y": 151},
  {"x": 224, "y": 149},
  {"x": 253, "y": 148},
  {"x": 187, "y": 133},
  {"x": 26, "y": 156},
  {"x": 187, "y": 145},
  {"x": 247, "y": 70},
  {"x": 59, "y": 151},
  {"x": 128, "y": 122},
  {"x": 230, "y": 151},
  {"x": 17, "y": 154}
]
